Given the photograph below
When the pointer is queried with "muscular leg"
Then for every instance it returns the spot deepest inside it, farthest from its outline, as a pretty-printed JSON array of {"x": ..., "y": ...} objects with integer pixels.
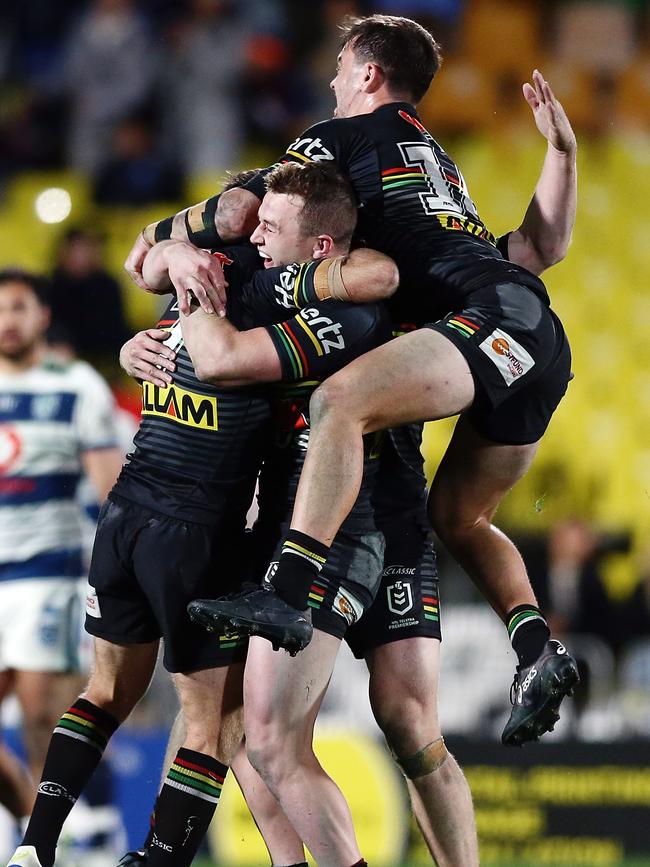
[
  {"x": 282, "y": 696},
  {"x": 284, "y": 845},
  {"x": 211, "y": 705},
  {"x": 404, "y": 699},
  {"x": 119, "y": 679},
  {"x": 416, "y": 377},
  {"x": 472, "y": 479}
]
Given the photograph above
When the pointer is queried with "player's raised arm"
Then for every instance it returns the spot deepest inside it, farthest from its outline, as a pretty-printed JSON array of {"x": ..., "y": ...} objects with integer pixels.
[
  {"x": 221, "y": 219},
  {"x": 544, "y": 235}
]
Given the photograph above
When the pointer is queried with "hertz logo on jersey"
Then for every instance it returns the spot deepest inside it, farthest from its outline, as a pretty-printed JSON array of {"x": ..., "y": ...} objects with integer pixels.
[{"x": 184, "y": 407}]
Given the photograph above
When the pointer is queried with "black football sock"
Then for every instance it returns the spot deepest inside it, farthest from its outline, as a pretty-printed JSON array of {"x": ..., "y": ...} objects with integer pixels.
[
  {"x": 528, "y": 632},
  {"x": 77, "y": 745},
  {"x": 184, "y": 808},
  {"x": 301, "y": 561}
]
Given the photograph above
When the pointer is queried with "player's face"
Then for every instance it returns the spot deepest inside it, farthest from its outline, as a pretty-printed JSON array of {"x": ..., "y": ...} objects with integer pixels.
[
  {"x": 23, "y": 320},
  {"x": 278, "y": 237},
  {"x": 347, "y": 83}
]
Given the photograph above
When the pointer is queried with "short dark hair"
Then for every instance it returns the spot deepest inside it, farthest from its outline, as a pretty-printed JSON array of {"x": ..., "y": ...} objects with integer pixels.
[
  {"x": 330, "y": 203},
  {"x": 406, "y": 52},
  {"x": 39, "y": 285},
  {"x": 238, "y": 179}
]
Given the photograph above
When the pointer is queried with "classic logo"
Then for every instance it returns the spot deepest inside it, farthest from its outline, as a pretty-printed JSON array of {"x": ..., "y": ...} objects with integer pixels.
[
  {"x": 510, "y": 357},
  {"x": 156, "y": 841},
  {"x": 55, "y": 790},
  {"x": 400, "y": 597},
  {"x": 399, "y": 570},
  {"x": 184, "y": 407}
]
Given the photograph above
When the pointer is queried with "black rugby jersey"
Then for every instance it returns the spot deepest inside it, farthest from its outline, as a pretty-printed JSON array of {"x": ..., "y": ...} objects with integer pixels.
[
  {"x": 414, "y": 206},
  {"x": 199, "y": 447}
]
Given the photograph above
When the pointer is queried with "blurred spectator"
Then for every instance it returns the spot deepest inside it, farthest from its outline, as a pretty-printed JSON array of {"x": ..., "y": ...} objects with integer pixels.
[
  {"x": 87, "y": 309},
  {"x": 136, "y": 172},
  {"x": 276, "y": 95},
  {"x": 200, "y": 81},
  {"x": 322, "y": 61},
  {"x": 109, "y": 72},
  {"x": 572, "y": 587}
]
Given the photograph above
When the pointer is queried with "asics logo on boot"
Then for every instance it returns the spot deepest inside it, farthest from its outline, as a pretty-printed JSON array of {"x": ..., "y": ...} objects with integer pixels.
[{"x": 532, "y": 674}]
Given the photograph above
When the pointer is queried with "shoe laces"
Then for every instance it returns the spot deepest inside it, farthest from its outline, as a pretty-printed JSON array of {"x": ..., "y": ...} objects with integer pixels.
[{"x": 513, "y": 687}]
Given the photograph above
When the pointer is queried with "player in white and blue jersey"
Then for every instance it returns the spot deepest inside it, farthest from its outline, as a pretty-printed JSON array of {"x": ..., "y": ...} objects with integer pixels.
[{"x": 56, "y": 425}]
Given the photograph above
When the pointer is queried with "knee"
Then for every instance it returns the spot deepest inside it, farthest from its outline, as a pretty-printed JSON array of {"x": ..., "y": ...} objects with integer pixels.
[
  {"x": 408, "y": 724},
  {"x": 276, "y": 751},
  {"x": 116, "y": 696},
  {"x": 451, "y": 521},
  {"x": 330, "y": 401}
]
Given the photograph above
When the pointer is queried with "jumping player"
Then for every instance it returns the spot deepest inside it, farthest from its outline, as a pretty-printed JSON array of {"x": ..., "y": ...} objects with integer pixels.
[{"x": 500, "y": 357}]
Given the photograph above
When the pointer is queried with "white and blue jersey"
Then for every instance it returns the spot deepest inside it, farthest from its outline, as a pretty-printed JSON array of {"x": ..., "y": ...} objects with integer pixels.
[{"x": 49, "y": 416}]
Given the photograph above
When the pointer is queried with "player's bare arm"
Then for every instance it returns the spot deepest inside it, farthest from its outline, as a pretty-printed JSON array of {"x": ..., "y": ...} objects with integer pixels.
[
  {"x": 223, "y": 355},
  {"x": 544, "y": 235},
  {"x": 226, "y": 218}
]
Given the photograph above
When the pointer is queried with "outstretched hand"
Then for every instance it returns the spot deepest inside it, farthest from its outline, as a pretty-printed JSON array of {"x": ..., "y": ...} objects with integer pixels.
[{"x": 549, "y": 115}]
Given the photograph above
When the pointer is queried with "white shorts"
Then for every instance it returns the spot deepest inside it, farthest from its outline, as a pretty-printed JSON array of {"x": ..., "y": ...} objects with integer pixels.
[{"x": 39, "y": 625}]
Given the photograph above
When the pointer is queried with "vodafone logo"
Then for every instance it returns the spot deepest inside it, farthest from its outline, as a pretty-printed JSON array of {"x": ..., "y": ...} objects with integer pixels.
[
  {"x": 501, "y": 346},
  {"x": 9, "y": 448}
]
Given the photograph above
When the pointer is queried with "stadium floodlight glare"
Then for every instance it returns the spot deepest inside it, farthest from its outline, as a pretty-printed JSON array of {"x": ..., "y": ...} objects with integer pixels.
[{"x": 53, "y": 205}]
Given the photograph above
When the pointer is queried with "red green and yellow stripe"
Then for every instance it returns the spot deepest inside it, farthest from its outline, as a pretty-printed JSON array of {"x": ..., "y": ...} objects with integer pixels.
[
  {"x": 195, "y": 780},
  {"x": 316, "y": 595},
  {"x": 465, "y": 327},
  {"x": 430, "y": 605},
  {"x": 293, "y": 349},
  {"x": 82, "y": 726}
]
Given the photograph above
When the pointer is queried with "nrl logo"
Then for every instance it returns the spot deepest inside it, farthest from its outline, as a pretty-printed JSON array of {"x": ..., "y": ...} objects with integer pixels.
[{"x": 400, "y": 597}]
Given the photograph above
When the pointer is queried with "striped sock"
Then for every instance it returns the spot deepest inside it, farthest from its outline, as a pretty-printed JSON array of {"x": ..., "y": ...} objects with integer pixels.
[
  {"x": 528, "y": 633},
  {"x": 77, "y": 745},
  {"x": 301, "y": 561},
  {"x": 184, "y": 808}
]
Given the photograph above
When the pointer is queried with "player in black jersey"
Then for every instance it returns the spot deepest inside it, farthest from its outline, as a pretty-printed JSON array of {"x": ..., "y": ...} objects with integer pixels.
[
  {"x": 168, "y": 534},
  {"x": 410, "y": 555},
  {"x": 500, "y": 357},
  {"x": 556, "y": 209}
]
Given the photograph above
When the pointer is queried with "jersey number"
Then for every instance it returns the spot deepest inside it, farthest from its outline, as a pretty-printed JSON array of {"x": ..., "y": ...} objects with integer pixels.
[{"x": 447, "y": 190}]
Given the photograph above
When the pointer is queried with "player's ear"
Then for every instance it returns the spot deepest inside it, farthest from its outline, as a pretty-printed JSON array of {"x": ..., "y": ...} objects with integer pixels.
[
  {"x": 323, "y": 246},
  {"x": 373, "y": 79}
]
